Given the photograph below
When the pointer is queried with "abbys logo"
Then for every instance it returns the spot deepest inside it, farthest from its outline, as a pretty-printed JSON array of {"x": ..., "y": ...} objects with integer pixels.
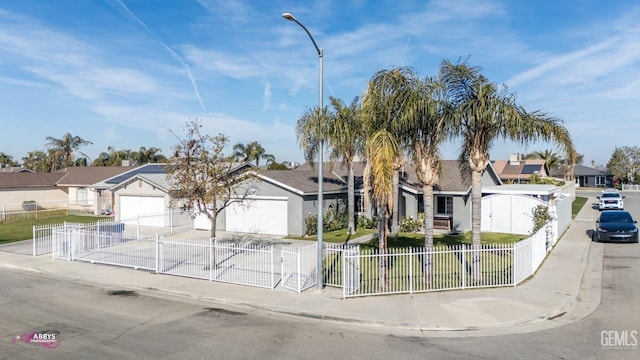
[
  {"x": 42, "y": 338},
  {"x": 619, "y": 339}
]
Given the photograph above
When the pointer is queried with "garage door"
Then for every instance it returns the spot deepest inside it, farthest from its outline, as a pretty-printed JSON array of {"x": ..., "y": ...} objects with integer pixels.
[
  {"x": 259, "y": 216},
  {"x": 148, "y": 209}
]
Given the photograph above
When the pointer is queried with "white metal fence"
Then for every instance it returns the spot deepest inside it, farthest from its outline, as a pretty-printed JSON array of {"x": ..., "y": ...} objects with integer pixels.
[
  {"x": 633, "y": 187},
  {"x": 411, "y": 270},
  {"x": 359, "y": 271},
  {"x": 43, "y": 234},
  {"x": 333, "y": 263},
  {"x": 299, "y": 267},
  {"x": 238, "y": 263}
]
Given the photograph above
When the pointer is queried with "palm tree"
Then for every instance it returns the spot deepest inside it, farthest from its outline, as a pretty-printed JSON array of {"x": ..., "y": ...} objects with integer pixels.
[
  {"x": 35, "y": 160},
  {"x": 145, "y": 156},
  {"x": 381, "y": 151},
  {"x": 66, "y": 146},
  {"x": 483, "y": 113},
  {"x": 345, "y": 141},
  {"x": 383, "y": 107},
  {"x": 424, "y": 126},
  {"x": 252, "y": 151},
  {"x": 552, "y": 159},
  {"x": 312, "y": 132},
  {"x": 7, "y": 160}
]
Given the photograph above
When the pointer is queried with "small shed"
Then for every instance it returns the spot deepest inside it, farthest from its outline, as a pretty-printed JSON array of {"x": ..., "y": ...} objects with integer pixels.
[{"x": 509, "y": 208}]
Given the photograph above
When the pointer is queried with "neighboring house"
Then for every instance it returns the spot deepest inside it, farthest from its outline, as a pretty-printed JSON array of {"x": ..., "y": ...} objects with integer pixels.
[
  {"x": 13, "y": 169},
  {"x": 81, "y": 193},
  {"x": 585, "y": 176},
  {"x": 138, "y": 192},
  {"x": 518, "y": 170},
  {"x": 19, "y": 188}
]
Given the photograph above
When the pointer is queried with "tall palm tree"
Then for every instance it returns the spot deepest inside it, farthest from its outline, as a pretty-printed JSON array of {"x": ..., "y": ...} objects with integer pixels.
[
  {"x": 424, "y": 126},
  {"x": 484, "y": 113},
  {"x": 381, "y": 150},
  {"x": 66, "y": 147},
  {"x": 345, "y": 141},
  {"x": 383, "y": 107}
]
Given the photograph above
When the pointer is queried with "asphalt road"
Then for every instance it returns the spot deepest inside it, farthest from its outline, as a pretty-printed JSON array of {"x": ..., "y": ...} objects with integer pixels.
[{"x": 90, "y": 321}]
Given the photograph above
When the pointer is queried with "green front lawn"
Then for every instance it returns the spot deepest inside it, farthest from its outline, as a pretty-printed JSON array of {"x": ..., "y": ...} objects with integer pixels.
[
  {"x": 577, "y": 205},
  {"x": 336, "y": 236},
  {"x": 417, "y": 239},
  {"x": 23, "y": 230}
]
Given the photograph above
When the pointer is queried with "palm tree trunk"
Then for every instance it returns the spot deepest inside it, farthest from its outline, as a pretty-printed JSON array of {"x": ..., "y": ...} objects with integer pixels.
[
  {"x": 427, "y": 197},
  {"x": 476, "y": 218},
  {"x": 351, "y": 203},
  {"x": 382, "y": 245},
  {"x": 396, "y": 204}
]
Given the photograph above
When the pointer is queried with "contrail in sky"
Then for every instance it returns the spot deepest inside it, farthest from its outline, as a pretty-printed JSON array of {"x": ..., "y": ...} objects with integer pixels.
[{"x": 173, "y": 53}]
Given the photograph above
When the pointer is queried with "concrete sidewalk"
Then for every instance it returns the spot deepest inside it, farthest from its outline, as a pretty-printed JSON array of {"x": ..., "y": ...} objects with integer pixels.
[{"x": 565, "y": 288}]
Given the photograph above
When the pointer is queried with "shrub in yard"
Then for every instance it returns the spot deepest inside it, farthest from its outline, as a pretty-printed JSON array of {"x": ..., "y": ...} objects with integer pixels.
[
  {"x": 367, "y": 223},
  {"x": 311, "y": 225},
  {"x": 409, "y": 225}
]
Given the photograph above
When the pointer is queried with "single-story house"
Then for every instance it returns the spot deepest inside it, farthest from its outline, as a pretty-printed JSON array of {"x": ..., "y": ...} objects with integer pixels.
[
  {"x": 138, "y": 192},
  {"x": 585, "y": 176},
  {"x": 287, "y": 197},
  {"x": 79, "y": 182},
  {"x": 20, "y": 189},
  {"x": 281, "y": 200},
  {"x": 69, "y": 188}
]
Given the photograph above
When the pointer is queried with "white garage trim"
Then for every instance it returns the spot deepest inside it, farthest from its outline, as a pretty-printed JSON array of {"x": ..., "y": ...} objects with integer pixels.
[
  {"x": 259, "y": 215},
  {"x": 142, "y": 210}
]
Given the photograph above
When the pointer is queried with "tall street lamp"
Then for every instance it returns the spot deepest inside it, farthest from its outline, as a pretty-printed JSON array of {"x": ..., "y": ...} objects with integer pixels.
[{"x": 320, "y": 271}]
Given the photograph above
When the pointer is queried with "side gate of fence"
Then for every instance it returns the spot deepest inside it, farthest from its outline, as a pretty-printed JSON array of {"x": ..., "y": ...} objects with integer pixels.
[{"x": 299, "y": 267}]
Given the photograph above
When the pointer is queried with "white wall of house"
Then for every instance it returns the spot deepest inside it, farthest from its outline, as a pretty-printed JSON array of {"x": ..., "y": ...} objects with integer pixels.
[{"x": 11, "y": 199}]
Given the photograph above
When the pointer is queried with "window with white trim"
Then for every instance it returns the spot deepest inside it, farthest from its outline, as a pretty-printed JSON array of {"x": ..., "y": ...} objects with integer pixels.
[
  {"x": 81, "y": 196},
  {"x": 444, "y": 205}
]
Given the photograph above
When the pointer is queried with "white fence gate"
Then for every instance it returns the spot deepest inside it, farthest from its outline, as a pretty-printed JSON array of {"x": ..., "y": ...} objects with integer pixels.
[
  {"x": 508, "y": 213},
  {"x": 299, "y": 267},
  {"x": 333, "y": 262}
]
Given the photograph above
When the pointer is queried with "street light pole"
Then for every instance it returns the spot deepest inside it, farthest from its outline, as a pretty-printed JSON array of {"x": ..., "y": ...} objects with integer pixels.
[{"x": 320, "y": 272}]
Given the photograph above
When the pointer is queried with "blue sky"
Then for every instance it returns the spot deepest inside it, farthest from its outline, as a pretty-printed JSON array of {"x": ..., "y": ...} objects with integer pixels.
[{"x": 128, "y": 73}]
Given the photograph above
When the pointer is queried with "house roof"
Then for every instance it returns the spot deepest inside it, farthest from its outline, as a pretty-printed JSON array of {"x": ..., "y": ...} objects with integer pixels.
[
  {"x": 89, "y": 175},
  {"x": 521, "y": 169},
  {"x": 304, "y": 179},
  {"x": 122, "y": 177},
  {"x": 29, "y": 179},
  {"x": 13, "y": 169}
]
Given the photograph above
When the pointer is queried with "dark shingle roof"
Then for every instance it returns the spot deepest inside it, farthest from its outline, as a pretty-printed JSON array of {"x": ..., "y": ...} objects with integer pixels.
[
  {"x": 88, "y": 175},
  {"x": 305, "y": 179},
  {"x": 27, "y": 179}
]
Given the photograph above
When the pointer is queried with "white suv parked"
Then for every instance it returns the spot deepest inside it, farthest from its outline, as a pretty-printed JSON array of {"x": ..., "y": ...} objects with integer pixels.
[{"x": 610, "y": 199}]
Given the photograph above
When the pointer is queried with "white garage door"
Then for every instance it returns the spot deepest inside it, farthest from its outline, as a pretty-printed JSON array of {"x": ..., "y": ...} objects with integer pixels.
[
  {"x": 148, "y": 209},
  {"x": 258, "y": 215}
]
